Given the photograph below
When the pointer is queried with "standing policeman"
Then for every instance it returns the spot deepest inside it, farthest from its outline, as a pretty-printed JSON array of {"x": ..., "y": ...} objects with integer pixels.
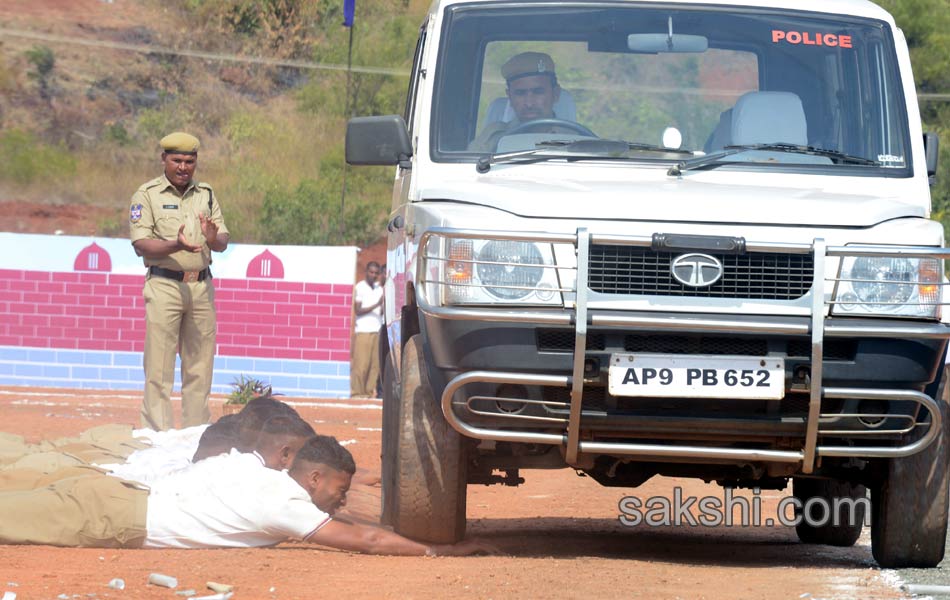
[{"x": 175, "y": 224}]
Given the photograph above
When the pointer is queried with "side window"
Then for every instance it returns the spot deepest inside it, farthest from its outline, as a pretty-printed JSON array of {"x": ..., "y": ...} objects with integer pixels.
[
  {"x": 887, "y": 147},
  {"x": 414, "y": 78}
]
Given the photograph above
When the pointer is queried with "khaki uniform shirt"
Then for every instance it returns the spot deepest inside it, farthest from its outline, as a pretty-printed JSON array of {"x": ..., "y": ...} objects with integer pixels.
[{"x": 157, "y": 212}]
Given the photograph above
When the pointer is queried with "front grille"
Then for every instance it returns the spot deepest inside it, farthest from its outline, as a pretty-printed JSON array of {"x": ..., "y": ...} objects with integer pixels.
[
  {"x": 754, "y": 275},
  {"x": 562, "y": 340},
  {"x": 695, "y": 345},
  {"x": 833, "y": 349}
]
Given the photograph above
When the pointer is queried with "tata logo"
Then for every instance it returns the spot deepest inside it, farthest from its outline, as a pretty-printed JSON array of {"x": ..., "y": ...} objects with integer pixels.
[{"x": 696, "y": 270}]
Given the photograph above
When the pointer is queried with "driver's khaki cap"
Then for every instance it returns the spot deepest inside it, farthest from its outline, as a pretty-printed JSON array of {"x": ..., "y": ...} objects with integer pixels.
[
  {"x": 527, "y": 64},
  {"x": 180, "y": 143}
]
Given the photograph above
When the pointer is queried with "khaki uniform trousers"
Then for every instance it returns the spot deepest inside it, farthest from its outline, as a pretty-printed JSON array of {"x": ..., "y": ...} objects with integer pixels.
[
  {"x": 92, "y": 510},
  {"x": 364, "y": 365},
  {"x": 17, "y": 480},
  {"x": 180, "y": 318}
]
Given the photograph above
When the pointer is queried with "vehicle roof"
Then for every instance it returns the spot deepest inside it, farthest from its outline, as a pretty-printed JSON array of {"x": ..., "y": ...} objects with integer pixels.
[{"x": 857, "y": 8}]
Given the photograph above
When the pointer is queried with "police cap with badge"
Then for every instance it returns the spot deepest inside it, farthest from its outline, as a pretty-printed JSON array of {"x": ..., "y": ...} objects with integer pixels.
[{"x": 528, "y": 64}]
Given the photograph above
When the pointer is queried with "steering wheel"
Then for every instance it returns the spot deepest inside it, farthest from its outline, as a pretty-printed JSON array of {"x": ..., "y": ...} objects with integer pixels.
[{"x": 551, "y": 122}]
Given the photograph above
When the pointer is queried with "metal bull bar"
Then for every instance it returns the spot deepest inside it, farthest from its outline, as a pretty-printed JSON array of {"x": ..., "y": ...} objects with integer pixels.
[{"x": 576, "y": 315}]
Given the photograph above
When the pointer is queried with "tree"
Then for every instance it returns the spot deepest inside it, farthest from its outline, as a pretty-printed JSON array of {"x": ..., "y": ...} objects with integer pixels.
[{"x": 926, "y": 25}]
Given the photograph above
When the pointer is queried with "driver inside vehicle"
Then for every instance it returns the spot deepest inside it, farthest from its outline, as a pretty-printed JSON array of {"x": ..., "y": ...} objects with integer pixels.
[{"x": 532, "y": 90}]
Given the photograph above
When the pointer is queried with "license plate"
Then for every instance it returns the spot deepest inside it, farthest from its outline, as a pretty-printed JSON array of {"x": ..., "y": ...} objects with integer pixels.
[{"x": 674, "y": 375}]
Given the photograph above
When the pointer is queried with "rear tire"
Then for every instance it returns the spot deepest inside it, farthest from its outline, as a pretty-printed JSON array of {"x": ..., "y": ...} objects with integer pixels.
[
  {"x": 831, "y": 491},
  {"x": 431, "y": 477},
  {"x": 909, "y": 522}
]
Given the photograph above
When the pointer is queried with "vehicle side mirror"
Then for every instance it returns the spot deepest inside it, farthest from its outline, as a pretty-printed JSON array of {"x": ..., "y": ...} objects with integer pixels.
[
  {"x": 378, "y": 141},
  {"x": 932, "y": 154}
]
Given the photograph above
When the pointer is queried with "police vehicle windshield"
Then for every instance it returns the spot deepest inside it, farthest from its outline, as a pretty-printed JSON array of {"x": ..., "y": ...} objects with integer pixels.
[{"x": 670, "y": 83}]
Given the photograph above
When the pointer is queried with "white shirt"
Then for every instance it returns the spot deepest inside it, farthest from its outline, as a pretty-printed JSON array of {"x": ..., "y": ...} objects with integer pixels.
[
  {"x": 229, "y": 501},
  {"x": 367, "y": 296},
  {"x": 171, "y": 451}
]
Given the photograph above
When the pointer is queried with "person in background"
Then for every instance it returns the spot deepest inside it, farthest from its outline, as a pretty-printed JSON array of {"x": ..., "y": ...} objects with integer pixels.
[
  {"x": 382, "y": 286},
  {"x": 364, "y": 363}
]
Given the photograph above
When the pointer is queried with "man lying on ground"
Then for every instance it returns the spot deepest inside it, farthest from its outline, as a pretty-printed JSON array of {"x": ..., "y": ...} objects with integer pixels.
[
  {"x": 219, "y": 438},
  {"x": 228, "y": 500},
  {"x": 110, "y": 448}
]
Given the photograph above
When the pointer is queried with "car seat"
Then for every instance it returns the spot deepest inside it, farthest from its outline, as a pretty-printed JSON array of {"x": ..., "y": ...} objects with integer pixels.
[
  {"x": 760, "y": 118},
  {"x": 769, "y": 117}
]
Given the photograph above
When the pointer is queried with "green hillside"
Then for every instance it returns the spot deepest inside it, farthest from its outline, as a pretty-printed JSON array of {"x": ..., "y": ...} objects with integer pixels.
[{"x": 80, "y": 124}]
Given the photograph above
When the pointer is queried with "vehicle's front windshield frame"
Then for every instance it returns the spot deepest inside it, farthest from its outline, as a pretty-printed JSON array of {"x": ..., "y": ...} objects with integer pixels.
[{"x": 890, "y": 69}]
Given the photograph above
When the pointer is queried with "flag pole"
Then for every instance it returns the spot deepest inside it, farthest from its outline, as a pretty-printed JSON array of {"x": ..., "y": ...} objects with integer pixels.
[{"x": 348, "y": 10}]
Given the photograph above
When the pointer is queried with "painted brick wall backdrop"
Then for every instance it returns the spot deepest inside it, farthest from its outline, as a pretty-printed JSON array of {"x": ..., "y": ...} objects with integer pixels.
[{"x": 72, "y": 315}]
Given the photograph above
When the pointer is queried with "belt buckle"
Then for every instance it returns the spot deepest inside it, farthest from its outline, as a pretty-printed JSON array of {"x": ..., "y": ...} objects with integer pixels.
[{"x": 190, "y": 276}]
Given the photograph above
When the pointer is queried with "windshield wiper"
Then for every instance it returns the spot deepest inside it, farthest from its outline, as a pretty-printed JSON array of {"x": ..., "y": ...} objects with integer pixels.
[
  {"x": 609, "y": 147},
  {"x": 713, "y": 159},
  {"x": 485, "y": 162},
  {"x": 593, "y": 149}
]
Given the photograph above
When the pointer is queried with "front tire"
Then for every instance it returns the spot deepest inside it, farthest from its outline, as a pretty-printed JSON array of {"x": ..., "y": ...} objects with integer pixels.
[
  {"x": 909, "y": 523},
  {"x": 390, "y": 442},
  {"x": 431, "y": 475},
  {"x": 831, "y": 492}
]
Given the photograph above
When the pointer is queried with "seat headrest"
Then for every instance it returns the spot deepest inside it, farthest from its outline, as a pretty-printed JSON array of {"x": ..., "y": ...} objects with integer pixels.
[{"x": 769, "y": 117}]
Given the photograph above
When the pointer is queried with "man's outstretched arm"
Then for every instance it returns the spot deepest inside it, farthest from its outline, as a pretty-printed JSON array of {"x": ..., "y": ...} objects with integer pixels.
[{"x": 375, "y": 540}]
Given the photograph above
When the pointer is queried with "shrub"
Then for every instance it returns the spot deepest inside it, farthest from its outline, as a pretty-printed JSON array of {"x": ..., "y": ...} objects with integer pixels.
[
  {"x": 24, "y": 159},
  {"x": 310, "y": 214},
  {"x": 43, "y": 61}
]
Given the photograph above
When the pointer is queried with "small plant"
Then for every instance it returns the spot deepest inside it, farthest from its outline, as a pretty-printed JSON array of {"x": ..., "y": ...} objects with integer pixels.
[
  {"x": 43, "y": 60},
  {"x": 246, "y": 389}
]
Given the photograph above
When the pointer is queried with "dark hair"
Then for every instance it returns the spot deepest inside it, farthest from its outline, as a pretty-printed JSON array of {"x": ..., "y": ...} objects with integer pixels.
[
  {"x": 220, "y": 437},
  {"x": 289, "y": 425},
  {"x": 372, "y": 263},
  {"x": 267, "y": 402},
  {"x": 253, "y": 416},
  {"x": 279, "y": 431},
  {"x": 325, "y": 450}
]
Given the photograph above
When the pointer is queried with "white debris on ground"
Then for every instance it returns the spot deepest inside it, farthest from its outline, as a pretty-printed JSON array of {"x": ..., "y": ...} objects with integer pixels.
[{"x": 338, "y": 405}]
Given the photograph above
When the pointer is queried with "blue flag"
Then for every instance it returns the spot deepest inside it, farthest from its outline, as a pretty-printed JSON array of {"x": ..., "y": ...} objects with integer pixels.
[{"x": 349, "y": 9}]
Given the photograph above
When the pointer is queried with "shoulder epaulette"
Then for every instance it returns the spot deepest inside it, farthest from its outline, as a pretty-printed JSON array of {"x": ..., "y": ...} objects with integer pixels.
[{"x": 153, "y": 183}]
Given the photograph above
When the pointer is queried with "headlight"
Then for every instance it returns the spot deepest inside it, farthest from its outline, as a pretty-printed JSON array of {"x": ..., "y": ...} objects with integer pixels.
[
  {"x": 512, "y": 270},
  {"x": 494, "y": 272},
  {"x": 889, "y": 286}
]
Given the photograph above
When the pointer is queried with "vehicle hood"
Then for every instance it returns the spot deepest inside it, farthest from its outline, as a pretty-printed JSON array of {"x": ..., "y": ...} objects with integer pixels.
[{"x": 696, "y": 197}]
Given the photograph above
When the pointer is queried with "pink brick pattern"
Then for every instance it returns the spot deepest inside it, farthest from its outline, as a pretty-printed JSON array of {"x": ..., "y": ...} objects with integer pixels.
[{"x": 103, "y": 311}]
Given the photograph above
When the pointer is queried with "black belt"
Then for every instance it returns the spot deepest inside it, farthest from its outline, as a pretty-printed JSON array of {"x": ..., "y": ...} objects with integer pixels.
[{"x": 187, "y": 276}]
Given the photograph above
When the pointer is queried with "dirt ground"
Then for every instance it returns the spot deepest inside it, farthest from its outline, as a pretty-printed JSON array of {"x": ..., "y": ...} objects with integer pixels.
[
  {"x": 51, "y": 219},
  {"x": 559, "y": 533}
]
